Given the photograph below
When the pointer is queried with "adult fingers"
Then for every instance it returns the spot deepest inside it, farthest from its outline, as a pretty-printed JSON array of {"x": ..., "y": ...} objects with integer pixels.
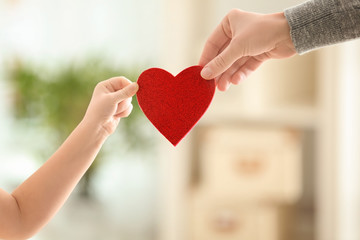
[
  {"x": 249, "y": 67},
  {"x": 220, "y": 63},
  {"x": 223, "y": 84},
  {"x": 212, "y": 49},
  {"x": 219, "y": 38},
  {"x": 233, "y": 69},
  {"x": 223, "y": 81}
]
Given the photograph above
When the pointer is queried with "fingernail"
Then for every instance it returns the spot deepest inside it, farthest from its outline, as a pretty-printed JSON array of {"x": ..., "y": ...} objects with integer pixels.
[
  {"x": 132, "y": 88},
  {"x": 206, "y": 73},
  {"x": 134, "y": 85}
]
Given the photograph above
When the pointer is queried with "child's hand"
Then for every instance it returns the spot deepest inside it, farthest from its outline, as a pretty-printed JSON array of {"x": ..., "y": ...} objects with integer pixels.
[{"x": 110, "y": 102}]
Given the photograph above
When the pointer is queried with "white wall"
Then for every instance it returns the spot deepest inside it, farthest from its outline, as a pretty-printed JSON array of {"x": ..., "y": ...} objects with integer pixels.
[
  {"x": 348, "y": 143},
  {"x": 46, "y": 31}
]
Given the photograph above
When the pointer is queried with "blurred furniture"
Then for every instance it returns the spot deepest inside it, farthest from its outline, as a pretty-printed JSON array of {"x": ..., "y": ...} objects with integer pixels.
[
  {"x": 216, "y": 187},
  {"x": 244, "y": 178},
  {"x": 246, "y": 171}
]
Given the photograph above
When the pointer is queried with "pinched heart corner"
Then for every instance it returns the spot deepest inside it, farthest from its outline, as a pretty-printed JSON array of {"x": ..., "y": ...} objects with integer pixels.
[{"x": 174, "y": 104}]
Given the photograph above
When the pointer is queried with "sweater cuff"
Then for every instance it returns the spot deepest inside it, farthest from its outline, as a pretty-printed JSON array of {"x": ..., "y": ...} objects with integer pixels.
[{"x": 318, "y": 23}]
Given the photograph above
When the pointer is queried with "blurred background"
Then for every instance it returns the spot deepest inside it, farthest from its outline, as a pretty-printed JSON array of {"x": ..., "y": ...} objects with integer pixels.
[{"x": 275, "y": 158}]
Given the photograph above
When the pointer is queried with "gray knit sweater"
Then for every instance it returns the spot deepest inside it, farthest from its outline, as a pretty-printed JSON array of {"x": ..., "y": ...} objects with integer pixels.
[{"x": 317, "y": 23}]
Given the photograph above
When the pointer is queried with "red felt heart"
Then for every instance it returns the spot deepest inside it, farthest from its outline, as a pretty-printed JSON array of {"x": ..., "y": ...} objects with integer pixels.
[{"x": 174, "y": 104}]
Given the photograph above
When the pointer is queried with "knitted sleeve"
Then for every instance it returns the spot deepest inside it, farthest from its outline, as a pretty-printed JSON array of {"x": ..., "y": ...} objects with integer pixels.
[{"x": 317, "y": 23}]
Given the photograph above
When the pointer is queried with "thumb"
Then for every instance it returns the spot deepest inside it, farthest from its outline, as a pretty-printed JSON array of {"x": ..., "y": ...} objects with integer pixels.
[
  {"x": 126, "y": 92},
  {"x": 220, "y": 63}
]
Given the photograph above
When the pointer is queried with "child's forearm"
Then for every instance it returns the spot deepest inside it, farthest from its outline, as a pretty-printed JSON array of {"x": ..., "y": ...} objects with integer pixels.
[
  {"x": 34, "y": 202},
  {"x": 41, "y": 195}
]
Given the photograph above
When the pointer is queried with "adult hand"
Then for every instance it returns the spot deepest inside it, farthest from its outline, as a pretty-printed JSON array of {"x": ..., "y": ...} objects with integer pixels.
[{"x": 241, "y": 43}]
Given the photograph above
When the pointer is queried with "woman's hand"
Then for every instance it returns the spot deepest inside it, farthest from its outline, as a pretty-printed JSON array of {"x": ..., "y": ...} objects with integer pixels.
[{"x": 241, "y": 43}]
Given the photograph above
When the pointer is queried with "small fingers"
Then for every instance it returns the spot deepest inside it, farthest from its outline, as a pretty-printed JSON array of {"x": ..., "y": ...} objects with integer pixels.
[
  {"x": 126, "y": 92},
  {"x": 123, "y": 105},
  {"x": 126, "y": 112},
  {"x": 116, "y": 83}
]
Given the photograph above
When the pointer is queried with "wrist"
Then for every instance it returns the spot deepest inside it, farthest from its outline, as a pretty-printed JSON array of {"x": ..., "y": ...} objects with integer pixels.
[
  {"x": 280, "y": 33},
  {"x": 94, "y": 130},
  {"x": 284, "y": 30}
]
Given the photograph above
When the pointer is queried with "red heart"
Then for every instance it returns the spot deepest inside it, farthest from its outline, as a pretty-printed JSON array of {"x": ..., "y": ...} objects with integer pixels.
[{"x": 174, "y": 104}]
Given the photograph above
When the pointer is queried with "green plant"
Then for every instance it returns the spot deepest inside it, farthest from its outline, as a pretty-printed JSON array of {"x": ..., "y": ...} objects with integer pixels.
[{"x": 57, "y": 99}]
